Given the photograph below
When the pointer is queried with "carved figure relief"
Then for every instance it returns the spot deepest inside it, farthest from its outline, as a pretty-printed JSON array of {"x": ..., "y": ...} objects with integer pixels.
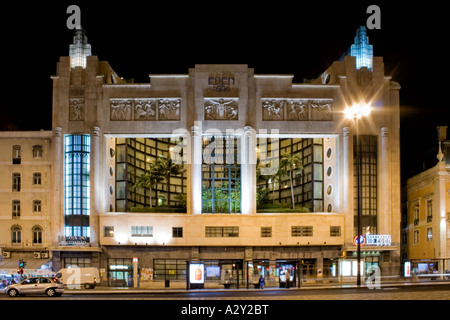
[
  {"x": 169, "y": 109},
  {"x": 222, "y": 109},
  {"x": 297, "y": 109},
  {"x": 273, "y": 110},
  {"x": 76, "y": 109},
  {"x": 144, "y": 110},
  {"x": 321, "y": 110},
  {"x": 121, "y": 110}
]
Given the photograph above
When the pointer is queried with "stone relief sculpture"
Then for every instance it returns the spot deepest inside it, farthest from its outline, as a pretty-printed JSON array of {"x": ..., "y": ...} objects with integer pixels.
[
  {"x": 76, "y": 109},
  {"x": 273, "y": 110},
  {"x": 169, "y": 109},
  {"x": 297, "y": 109},
  {"x": 321, "y": 110},
  {"x": 144, "y": 110},
  {"x": 221, "y": 109},
  {"x": 121, "y": 110}
]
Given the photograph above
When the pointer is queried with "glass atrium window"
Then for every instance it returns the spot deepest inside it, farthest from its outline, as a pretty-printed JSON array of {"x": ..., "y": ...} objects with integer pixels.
[
  {"x": 77, "y": 185},
  {"x": 367, "y": 146},
  {"x": 307, "y": 184},
  {"x": 221, "y": 183},
  {"x": 135, "y": 157}
]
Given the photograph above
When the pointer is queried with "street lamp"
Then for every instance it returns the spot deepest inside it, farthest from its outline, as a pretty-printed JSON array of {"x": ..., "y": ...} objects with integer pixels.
[{"x": 356, "y": 112}]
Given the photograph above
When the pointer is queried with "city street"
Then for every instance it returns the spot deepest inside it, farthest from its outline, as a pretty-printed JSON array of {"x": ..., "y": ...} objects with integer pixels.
[
  {"x": 402, "y": 300},
  {"x": 435, "y": 291}
]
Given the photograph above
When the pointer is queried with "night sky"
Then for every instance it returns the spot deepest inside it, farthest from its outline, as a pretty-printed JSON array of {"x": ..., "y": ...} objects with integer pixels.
[{"x": 282, "y": 37}]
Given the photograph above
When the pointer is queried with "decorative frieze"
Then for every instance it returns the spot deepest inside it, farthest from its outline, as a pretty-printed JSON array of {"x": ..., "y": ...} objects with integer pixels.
[
  {"x": 222, "y": 109},
  {"x": 76, "y": 109},
  {"x": 297, "y": 109},
  {"x": 145, "y": 109}
]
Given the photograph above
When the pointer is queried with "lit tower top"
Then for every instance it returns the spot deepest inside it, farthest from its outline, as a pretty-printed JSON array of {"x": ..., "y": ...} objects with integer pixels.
[
  {"x": 80, "y": 49},
  {"x": 362, "y": 50}
]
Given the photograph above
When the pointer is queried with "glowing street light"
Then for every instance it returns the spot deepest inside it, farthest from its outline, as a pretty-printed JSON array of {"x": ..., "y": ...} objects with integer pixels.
[{"x": 356, "y": 112}]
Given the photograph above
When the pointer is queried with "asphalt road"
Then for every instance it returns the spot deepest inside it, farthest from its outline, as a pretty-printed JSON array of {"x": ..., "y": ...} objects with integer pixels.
[
  {"x": 402, "y": 301},
  {"x": 406, "y": 292}
]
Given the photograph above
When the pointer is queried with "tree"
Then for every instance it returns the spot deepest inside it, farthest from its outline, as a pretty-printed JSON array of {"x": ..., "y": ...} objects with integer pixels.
[
  {"x": 149, "y": 180},
  {"x": 291, "y": 163},
  {"x": 166, "y": 168}
]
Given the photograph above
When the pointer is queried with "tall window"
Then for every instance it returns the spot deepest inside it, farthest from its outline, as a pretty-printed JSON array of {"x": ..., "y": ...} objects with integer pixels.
[
  {"x": 429, "y": 210},
  {"x": 16, "y": 181},
  {"x": 366, "y": 157},
  {"x": 221, "y": 183},
  {"x": 37, "y": 206},
  {"x": 16, "y": 154},
  {"x": 77, "y": 185},
  {"x": 16, "y": 235},
  {"x": 37, "y": 151},
  {"x": 134, "y": 158},
  {"x": 307, "y": 184},
  {"x": 16, "y": 209},
  {"x": 37, "y": 235},
  {"x": 37, "y": 178}
]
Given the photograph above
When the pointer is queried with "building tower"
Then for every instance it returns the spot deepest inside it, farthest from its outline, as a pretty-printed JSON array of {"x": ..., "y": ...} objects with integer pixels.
[
  {"x": 80, "y": 49},
  {"x": 362, "y": 50}
]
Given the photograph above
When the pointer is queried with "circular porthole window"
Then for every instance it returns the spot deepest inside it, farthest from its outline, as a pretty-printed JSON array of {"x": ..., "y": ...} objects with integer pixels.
[
  {"x": 329, "y": 153},
  {"x": 330, "y": 208},
  {"x": 111, "y": 190},
  {"x": 112, "y": 152},
  {"x": 111, "y": 171},
  {"x": 329, "y": 190}
]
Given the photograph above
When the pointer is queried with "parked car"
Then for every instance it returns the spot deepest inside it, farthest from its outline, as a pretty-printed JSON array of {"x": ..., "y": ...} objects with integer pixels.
[
  {"x": 51, "y": 287},
  {"x": 75, "y": 278}
]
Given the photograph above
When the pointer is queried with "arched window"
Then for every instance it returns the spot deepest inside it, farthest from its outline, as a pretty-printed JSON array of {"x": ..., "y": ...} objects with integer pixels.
[
  {"x": 37, "y": 235},
  {"x": 16, "y": 235}
]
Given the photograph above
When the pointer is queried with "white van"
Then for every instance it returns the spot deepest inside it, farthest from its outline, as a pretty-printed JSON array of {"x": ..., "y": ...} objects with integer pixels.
[{"x": 75, "y": 278}]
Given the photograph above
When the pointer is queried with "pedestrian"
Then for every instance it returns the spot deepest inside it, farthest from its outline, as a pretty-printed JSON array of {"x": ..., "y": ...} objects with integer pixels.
[
  {"x": 261, "y": 282},
  {"x": 288, "y": 278}
]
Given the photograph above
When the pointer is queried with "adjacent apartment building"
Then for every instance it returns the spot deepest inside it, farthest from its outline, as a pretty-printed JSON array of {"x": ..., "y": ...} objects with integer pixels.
[
  {"x": 427, "y": 206},
  {"x": 229, "y": 200}
]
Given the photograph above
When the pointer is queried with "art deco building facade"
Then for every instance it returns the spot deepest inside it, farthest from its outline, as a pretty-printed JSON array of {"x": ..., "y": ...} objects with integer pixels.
[{"x": 230, "y": 204}]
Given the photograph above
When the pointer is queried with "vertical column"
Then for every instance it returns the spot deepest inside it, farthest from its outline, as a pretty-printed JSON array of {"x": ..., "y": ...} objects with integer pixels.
[
  {"x": 57, "y": 214},
  {"x": 347, "y": 185},
  {"x": 96, "y": 188},
  {"x": 196, "y": 170},
  {"x": 248, "y": 171},
  {"x": 384, "y": 213},
  {"x": 440, "y": 215}
]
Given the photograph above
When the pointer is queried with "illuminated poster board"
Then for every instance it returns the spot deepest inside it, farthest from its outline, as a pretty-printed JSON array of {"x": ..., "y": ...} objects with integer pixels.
[
  {"x": 196, "y": 273},
  {"x": 407, "y": 269}
]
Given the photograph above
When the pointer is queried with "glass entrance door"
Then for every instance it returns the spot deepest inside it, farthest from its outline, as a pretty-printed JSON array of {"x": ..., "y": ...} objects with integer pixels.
[{"x": 120, "y": 272}]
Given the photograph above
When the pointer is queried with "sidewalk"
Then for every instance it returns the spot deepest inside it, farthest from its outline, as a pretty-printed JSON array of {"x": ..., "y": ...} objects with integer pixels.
[{"x": 111, "y": 290}]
